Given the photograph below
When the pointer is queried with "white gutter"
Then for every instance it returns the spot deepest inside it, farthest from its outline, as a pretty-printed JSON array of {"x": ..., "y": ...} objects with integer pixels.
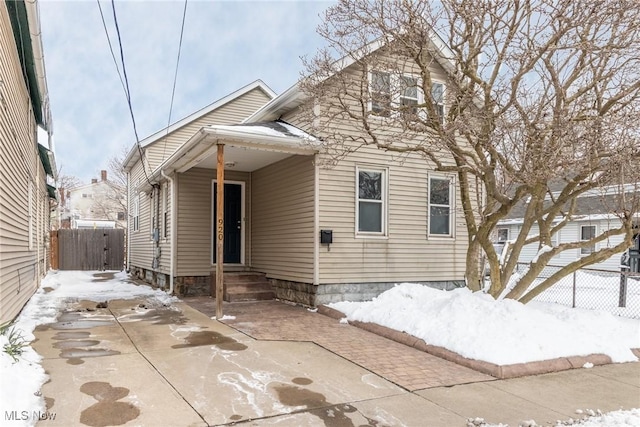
[
  {"x": 128, "y": 221},
  {"x": 172, "y": 244},
  {"x": 33, "y": 18},
  {"x": 203, "y": 144}
]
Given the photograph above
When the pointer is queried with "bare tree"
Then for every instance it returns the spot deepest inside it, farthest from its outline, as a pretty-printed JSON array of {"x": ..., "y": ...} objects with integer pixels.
[
  {"x": 112, "y": 202},
  {"x": 540, "y": 105}
]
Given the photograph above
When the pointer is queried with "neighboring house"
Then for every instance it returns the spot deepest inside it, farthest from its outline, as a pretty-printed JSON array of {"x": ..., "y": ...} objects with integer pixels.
[
  {"x": 98, "y": 204},
  {"x": 318, "y": 231},
  {"x": 593, "y": 216},
  {"x": 27, "y": 168}
]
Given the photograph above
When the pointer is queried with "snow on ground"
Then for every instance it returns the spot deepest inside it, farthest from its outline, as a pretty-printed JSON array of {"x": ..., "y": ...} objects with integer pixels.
[
  {"x": 26, "y": 376},
  {"x": 503, "y": 332},
  {"x": 473, "y": 325}
]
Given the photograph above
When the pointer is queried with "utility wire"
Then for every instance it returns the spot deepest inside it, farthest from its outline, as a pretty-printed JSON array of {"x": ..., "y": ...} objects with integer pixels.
[
  {"x": 125, "y": 84},
  {"x": 175, "y": 78},
  {"x": 115, "y": 61}
]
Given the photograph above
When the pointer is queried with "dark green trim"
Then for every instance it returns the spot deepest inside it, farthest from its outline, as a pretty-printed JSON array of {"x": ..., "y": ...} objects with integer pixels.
[
  {"x": 51, "y": 190},
  {"x": 18, "y": 15},
  {"x": 46, "y": 160}
]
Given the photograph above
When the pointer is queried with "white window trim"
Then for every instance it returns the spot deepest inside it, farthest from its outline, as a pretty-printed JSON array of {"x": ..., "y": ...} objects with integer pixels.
[
  {"x": 385, "y": 205},
  {"x": 30, "y": 216},
  {"x": 595, "y": 233},
  {"x": 135, "y": 215},
  {"x": 396, "y": 95},
  {"x": 452, "y": 206},
  {"x": 165, "y": 211},
  {"x": 243, "y": 218}
]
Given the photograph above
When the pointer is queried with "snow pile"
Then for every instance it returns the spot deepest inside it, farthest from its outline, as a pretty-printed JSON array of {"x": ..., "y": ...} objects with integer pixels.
[{"x": 503, "y": 332}]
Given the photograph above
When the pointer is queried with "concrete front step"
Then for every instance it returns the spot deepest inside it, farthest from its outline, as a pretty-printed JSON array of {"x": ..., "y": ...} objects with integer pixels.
[{"x": 247, "y": 286}]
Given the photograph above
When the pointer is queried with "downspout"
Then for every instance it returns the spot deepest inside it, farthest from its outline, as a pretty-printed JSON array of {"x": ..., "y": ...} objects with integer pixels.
[
  {"x": 171, "y": 236},
  {"x": 316, "y": 221},
  {"x": 128, "y": 221}
]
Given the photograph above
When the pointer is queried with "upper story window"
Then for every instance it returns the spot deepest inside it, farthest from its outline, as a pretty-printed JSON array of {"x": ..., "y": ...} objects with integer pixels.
[
  {"x": 409, "y": 94},
  {"x": 437, "y": 94},
  {"x": 381, "y": 93},
  {"x": 371, "y": 201},
  {"x": 441, "y": 208},
  {"x": 402, "y": 93}
]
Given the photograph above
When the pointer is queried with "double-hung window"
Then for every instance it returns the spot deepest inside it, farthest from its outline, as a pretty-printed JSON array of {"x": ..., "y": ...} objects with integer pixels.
[
  {"x": 165, "y": 210},
  {"x": 371, "y": 201},
  {"x": 135, "y": 213},
  {"x": 503, "y": 234},
  {"x": 380, "y": 93},
  {"x": 441, "y": 208},
  {"x": 587, "y": 232},
  {"x": 437, "y": 94},
  {"x": 409, "y": 96},
  {"x": 402, "y": 94}
]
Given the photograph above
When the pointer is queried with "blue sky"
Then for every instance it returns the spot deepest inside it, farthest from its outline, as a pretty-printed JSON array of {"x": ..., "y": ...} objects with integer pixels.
[{"x": 226, "y": 45}]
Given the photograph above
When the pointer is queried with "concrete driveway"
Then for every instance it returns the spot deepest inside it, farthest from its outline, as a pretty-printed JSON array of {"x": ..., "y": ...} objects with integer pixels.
[{"x": 137, "y": 362}]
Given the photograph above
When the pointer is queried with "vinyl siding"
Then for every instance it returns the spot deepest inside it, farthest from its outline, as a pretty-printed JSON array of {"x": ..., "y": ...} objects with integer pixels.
[
  {"x": 406, "y": 253},
  {"x": 231, "y": 113},
  {"x": 194, "y": 219},
  {"x": 141, "y": 244},
  {"x": 22, "y": 262},
  {"x": 571, "y": 233},
  {"x": 283, "y": 219}
]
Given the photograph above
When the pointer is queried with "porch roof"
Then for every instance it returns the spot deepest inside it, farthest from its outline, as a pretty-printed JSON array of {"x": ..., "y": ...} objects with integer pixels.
[{"x": 248, "y": 147}]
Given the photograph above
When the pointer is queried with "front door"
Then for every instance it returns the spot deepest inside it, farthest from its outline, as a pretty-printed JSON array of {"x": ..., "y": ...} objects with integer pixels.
[{"x": 232, "y": 223}]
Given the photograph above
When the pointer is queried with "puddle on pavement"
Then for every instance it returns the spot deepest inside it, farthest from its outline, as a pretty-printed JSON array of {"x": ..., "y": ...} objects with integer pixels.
[
  {"x": 235, "y": 417},
  {"x": 291, "y": 395},
  {"x": 302, "y": 381},
  {"x": 159, "y": 316},
  {"x": 103, "y": 277},
  {"x": 75, "y": 320},
  {"x": 74, "y": 361},
  {"x": 47, "y": 289},
  {"x": 72, "y": 335},
  {"x": 75, "y": 343},
  {"x": 75, "y": 353},
  {"x": 331, "y": 415},
  {"x": 49, "y": 402},
  {"x": 200, "y": 338},
  {"x": 108, "y": 411}
]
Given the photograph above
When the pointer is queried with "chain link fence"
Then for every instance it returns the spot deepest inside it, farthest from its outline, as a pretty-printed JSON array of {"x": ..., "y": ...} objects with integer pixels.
[{"x": 613, "y": 291}]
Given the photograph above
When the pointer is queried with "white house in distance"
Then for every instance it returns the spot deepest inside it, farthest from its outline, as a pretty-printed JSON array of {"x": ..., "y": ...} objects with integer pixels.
[
  {"x": 94, "y": 205},
  {"x": 594, "y": 215}
]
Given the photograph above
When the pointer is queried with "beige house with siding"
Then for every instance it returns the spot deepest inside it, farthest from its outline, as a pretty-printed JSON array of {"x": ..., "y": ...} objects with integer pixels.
[
  {"x": 27, "y": 168},
  {"x": 315, "y": 230}
]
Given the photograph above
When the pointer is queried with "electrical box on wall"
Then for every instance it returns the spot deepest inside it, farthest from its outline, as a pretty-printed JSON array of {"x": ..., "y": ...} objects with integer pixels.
[{"x": 326, "y": 237}]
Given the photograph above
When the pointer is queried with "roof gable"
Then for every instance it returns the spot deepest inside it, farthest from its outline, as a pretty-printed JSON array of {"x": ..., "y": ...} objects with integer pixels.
[
  {"x": 294, "y": 96},
  {"x": 134, "y": 154}
]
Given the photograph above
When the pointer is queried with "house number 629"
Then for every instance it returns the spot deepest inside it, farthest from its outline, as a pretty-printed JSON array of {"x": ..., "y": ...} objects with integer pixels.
[{"x": 220, "y": 229}]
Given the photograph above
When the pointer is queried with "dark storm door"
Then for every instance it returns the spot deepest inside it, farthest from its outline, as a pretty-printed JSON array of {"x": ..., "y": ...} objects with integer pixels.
[{"x": 232, "y": 222}]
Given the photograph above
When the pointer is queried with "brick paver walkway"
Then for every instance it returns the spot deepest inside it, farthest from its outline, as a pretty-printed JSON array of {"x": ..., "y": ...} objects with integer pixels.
[{"x": 405, "y": 366}]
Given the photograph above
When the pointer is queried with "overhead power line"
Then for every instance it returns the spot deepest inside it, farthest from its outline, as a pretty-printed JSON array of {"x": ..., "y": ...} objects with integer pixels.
[
  {"x": 175, "y": 78},
  {"x": 124, "y": 79}
]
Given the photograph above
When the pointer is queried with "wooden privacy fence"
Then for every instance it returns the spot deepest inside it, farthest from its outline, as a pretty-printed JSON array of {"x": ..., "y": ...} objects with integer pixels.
[{"x": 87, "y": 249}]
